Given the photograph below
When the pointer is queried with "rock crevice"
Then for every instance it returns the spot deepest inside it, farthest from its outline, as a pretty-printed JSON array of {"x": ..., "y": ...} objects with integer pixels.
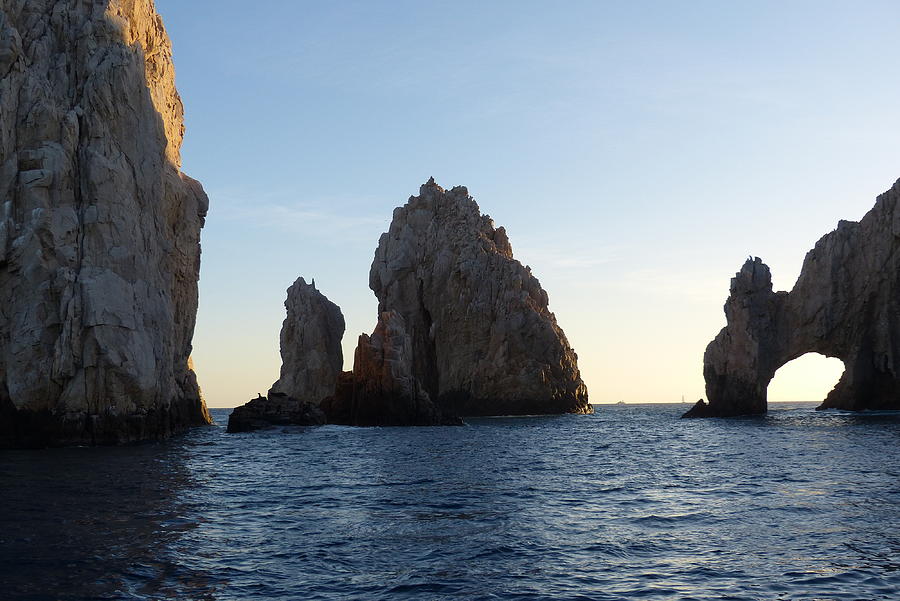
[{"x": 382, "y": 389}]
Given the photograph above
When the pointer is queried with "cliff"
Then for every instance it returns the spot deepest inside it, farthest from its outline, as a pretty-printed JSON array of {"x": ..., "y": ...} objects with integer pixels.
[
  {"x": 463, "y": 330},
  {"x": 99, "y": 229},
  {"x": 845, "y": 304}
]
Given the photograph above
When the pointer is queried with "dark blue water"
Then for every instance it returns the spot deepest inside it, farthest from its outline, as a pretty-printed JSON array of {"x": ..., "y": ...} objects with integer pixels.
[{"x": 630, "y": 503}]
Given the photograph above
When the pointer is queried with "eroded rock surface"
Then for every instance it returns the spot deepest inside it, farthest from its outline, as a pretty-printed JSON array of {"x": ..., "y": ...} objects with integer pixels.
[
  {"x": 845, "y": 304},
  {"x": 311, "y": 363},
  {"x": 99, "y": 230},
  {"x": 482, "y": 340},
  {"x": 311, "y": 355},
  {"x": 463, "y": 330},
  {"x": 382, "y": 389}
]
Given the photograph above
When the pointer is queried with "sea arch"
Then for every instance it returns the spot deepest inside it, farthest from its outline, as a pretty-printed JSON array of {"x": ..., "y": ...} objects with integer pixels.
[
  {"x": 845, "y": 305},
  {"x": 808, "y": 378}
]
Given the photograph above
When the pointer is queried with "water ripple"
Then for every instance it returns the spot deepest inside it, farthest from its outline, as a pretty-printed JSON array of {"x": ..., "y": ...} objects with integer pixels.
[{"x": 630, "y": 503}]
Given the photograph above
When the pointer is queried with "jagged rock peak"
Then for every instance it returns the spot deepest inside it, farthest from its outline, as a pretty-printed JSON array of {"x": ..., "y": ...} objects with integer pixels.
[
  {"x": 844, "y": 305},
  {"x": 311, "y": 355},
  {"x": 99, "y": 231},
  {"x": 483, "y": 340}
]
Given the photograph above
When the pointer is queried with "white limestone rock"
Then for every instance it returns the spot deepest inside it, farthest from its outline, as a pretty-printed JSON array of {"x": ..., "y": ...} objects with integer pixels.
[{"x": 99, "y": 229}]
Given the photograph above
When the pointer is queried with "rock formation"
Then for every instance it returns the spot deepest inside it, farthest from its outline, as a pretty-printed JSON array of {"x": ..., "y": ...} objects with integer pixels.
[
  {"x": 463, "y": 330},
  {"x": 277, "y": 409},
  {"x": 99, "y": 230},
  {"x": 482, "y": 339},
  {"x": 845, "y": 304},
  {"x": 311, "y": 355},
  {"x": 311, "y": 363},
  {"x": 382, "y": 389}
]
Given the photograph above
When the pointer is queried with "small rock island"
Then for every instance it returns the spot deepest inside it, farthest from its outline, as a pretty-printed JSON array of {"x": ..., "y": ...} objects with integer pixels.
[
  {"x": 844, "y": 304},
  {"x": 463, "y": 330}
]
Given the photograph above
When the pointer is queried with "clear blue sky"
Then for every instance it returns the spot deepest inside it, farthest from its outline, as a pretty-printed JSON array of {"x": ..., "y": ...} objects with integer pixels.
[{"x": 636, "y": 152}]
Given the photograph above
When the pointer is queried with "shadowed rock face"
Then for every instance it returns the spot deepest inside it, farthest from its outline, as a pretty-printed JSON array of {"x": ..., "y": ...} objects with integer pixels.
[
  {"x": 382, "y": 390},
  {"x": 845, "y": 304},
  {"x": 482, "y": 339},
  {"x": 99, "y": 230}
]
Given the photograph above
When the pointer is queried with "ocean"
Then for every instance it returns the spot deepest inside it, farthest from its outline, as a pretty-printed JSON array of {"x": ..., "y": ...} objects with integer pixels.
[{"x": 629, "y": 503}]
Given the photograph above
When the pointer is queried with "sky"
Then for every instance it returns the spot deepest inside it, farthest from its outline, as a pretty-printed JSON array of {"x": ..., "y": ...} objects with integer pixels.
[{"x": 637, "y": 153}]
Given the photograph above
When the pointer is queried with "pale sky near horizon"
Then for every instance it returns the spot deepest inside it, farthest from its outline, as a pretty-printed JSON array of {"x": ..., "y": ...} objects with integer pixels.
[{"x": 637, "y": 154}]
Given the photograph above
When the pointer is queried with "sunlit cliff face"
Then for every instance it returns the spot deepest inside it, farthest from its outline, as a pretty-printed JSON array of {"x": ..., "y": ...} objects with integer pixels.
[{"x": 100, "y": 231}]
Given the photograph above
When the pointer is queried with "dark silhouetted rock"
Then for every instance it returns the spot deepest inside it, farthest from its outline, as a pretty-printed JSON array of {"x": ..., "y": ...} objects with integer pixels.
[
  {"x": 845, "y": 304},
  {"x": 700, "y": 409},
  {"x": 274, "y": 410}
]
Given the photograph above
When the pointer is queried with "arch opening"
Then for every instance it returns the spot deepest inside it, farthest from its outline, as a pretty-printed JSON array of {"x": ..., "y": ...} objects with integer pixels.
[{"x": 808, "y": 378}]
